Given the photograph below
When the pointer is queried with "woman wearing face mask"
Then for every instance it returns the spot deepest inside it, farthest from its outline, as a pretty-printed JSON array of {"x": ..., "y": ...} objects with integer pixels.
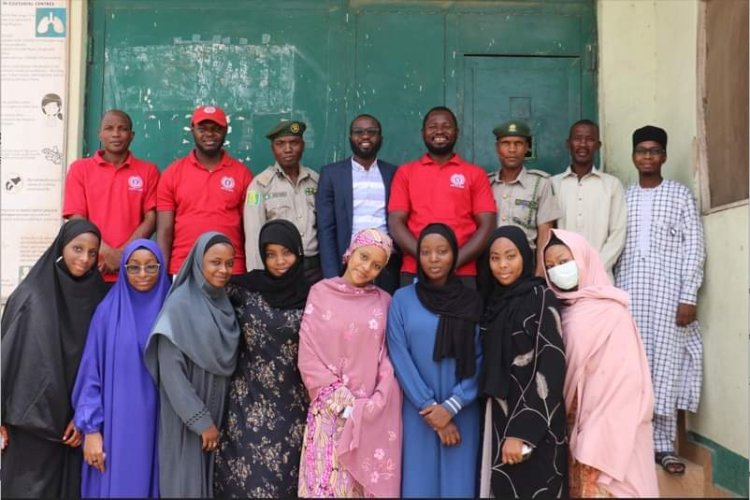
[
  {"x": 114, "y": 397},
  {"x": 44, "y": 327},
  {"x": 191, "y": 353},
  {"x": 352, "y": 444},
  {"x": 433, "y": 338},
  {"x": 267, "y": 403},
  {"x": 524, "y": 452},
  {"x": 608, "y": 393}
]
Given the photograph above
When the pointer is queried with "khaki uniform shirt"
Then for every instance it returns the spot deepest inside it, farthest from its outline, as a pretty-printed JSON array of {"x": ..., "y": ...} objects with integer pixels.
[
  {"x": 526, "y": 202},
  {"x": 271, "y": 196},
  {"x": 594, "y": 207}
]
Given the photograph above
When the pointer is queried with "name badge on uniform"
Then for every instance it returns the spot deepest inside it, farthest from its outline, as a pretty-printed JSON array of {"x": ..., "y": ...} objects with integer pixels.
[{"x": 531, "y": 204}]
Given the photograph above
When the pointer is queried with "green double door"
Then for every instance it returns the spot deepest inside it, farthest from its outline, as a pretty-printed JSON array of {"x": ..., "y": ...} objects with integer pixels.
[
  {"x": 544, "y": 92},
  {"x": 325, "y": 61}
]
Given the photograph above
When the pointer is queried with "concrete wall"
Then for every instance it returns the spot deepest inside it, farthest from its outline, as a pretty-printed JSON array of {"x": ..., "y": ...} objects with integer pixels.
[
  {"x": 648, "y": 75},
  {"x": 723, "y": 313}
]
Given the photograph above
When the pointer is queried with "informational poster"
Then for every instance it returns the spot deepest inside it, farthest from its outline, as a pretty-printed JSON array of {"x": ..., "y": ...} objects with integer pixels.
[{"x": 33, "y": 83}]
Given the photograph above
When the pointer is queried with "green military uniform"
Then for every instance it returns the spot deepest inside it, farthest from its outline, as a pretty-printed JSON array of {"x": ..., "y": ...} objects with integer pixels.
[
  {"x": 272, "y": 195},
  {"x": 529, "y": 200}
]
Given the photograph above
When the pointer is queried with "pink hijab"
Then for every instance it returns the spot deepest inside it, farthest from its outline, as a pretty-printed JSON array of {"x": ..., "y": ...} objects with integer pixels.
[
  {"x": 607, "y": 374},
  {"x": 342, "y": 341}
]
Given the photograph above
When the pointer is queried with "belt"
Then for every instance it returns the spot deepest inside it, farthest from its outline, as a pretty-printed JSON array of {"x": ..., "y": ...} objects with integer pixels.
[{"x": 311, "y": 262}]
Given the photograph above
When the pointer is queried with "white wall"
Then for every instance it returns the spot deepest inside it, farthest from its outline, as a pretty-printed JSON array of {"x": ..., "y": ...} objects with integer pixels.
[
  {"x": 723, "y": 313},
  {"x": 648, "y": 75}
]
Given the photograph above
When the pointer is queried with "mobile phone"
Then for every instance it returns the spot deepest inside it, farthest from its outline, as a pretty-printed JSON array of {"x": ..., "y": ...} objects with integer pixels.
[{"x": 526, "y": 451}]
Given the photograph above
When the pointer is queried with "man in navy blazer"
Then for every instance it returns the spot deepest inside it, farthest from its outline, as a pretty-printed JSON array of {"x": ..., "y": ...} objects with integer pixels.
[{"x": 353, "y": 195}]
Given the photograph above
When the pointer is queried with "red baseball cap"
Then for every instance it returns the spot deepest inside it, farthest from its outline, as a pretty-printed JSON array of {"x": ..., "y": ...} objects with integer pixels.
[{"x": 211, "y": 113}]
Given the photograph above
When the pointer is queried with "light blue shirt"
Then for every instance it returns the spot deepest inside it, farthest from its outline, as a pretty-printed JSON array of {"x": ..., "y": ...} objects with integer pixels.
[{"x": 368, "y": 198}]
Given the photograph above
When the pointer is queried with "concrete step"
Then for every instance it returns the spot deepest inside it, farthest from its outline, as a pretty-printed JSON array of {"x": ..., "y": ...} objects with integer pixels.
[{"x": 692, "y": 484}]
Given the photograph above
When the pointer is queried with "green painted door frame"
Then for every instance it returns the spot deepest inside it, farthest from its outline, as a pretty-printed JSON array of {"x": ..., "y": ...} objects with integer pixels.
[{"x": 325, "y": 61}]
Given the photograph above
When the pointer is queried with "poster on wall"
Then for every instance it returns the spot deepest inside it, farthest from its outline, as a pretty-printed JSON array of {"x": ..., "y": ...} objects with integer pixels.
[{"x": 33, "y": 82}]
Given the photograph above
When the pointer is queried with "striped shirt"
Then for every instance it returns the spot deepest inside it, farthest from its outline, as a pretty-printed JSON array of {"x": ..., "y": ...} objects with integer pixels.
[{"x": 368, "y": 198}]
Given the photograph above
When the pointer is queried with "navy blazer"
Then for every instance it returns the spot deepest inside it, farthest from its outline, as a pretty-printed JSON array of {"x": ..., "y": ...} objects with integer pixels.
[{"x": 333, "y": 204}]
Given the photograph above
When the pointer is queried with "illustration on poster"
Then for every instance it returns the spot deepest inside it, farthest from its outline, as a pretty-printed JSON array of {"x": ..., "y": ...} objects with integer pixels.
[
  {"x": 52, "y": 107},
  {"x": 53, "y": 154},
  {"x": 50, "y": 21},
  {"x": 14, "y": 183}
]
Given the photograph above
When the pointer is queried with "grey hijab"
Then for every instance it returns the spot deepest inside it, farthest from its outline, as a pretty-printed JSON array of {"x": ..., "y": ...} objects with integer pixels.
[{"x": 197, "y": 317}]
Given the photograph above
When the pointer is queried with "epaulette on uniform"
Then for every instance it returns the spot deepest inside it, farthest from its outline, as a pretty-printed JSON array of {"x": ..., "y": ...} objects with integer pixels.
[
  {"x": 538, "y": 172},
  {"x": 264, "y": 178}
]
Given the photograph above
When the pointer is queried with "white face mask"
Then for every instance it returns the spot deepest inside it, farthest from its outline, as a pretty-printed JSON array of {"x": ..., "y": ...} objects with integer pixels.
[{"x": 564, "y": 276}]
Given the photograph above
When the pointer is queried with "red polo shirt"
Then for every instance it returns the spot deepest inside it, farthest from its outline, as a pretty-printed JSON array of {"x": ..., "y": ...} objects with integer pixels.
[
  {"x": 452, "y": 194},
  {"x": 113, "y": 198},
  {"x": 204, "y": 200}
]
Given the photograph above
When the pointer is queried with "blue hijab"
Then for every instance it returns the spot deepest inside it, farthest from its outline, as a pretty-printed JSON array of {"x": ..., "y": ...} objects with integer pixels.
[{"x": 114, "y": 393}]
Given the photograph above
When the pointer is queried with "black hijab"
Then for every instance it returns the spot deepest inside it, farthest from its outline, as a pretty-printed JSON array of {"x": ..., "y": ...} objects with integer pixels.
[
  {"x": 506, "y": 308},
  {"x": 458, "y": 306},
  {"x": 44, "y": 329},
  {"x": 288, "y": 291}
]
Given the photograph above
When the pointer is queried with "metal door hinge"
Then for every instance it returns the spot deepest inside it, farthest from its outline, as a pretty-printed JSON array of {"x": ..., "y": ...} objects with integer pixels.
[{"x": 591, "y": 56}]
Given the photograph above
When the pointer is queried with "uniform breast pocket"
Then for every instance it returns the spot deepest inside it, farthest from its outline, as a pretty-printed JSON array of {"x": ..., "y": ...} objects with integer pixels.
[
  {"x": 524, "y": 213},
  {"x": 278, "y": 208},
  {"x": 668, "y": 235}
]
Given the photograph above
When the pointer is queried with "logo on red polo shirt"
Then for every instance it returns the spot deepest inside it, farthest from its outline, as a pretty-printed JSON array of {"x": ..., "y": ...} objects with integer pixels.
[
  {"x": 135, "y": 183},
  {"x": 227, "y": 183},
  {"x": 458, "y": 181}
]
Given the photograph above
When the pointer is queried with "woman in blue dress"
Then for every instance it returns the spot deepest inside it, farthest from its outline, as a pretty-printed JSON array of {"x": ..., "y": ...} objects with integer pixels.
[{"x": 433, "y": 341}]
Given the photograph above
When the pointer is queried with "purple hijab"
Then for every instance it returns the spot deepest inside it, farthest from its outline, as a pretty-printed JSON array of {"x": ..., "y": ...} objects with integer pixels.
[{"x": 114, "y": 393}]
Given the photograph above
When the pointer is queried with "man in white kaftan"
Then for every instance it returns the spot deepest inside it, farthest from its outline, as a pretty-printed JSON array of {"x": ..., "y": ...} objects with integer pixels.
[{"x": 662, "y": 269}]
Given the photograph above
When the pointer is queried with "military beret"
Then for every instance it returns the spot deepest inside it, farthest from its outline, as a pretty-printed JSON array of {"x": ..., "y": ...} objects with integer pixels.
[
  {"x": 285, "y": 128},
  {"x": 513, "y": 128}
]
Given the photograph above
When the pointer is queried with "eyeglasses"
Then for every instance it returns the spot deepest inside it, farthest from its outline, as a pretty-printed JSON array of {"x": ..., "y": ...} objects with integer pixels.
[
  {"x": 363, "y": 131},
  {"x": 149, "y": 268},
  {"x": 649, "y": 151}
]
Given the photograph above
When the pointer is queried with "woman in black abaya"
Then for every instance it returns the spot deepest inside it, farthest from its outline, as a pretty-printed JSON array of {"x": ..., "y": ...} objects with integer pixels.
[{"x": 44, "y": 328}]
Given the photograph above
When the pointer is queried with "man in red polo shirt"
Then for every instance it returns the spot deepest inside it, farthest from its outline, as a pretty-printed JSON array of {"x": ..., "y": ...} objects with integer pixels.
[
  {"x": 204, "y": 191},
  {"x": 114, "y": 190},
  {"x": 441, "y": 187}
]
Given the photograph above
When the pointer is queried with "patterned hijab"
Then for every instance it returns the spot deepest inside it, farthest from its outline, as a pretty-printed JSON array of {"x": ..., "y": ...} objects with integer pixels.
[
  {"x": 198, "y": 317},
  {"x": 370, "y": 237}
]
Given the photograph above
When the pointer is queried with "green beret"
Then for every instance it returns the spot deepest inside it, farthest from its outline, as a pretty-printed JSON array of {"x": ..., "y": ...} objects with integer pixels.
[
  {"x": 285, "y": 128},
  {"x": 513, "y": 128}
]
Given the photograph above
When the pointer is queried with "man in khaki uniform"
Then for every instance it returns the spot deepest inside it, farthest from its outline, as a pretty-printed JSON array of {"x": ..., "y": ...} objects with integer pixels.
[
  {"x": 285, "y": 190},
  {"x": 524, "y": 198}
]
